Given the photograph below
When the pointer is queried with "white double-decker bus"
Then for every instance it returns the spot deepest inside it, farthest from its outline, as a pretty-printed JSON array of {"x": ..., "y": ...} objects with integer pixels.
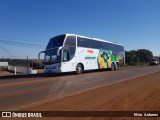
[{"x": 70, "y": 52}]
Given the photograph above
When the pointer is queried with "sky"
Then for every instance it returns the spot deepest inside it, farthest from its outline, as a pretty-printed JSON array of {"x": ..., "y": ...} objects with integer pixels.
[{"x": 132, "y": 23}]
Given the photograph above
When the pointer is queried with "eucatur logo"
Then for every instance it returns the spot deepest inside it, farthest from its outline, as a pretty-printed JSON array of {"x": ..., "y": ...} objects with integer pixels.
[{"x": 90, "y": 51}]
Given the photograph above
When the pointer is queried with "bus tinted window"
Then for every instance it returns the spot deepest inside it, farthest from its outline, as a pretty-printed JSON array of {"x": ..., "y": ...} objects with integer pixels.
[
  {"x": 92, "y": 44},
  {"x": 85, "y": 42},
  {"x": 99, "y": 44},
  {"x": 105, "y": 46},
  {"x": 81, "y": 42},
  {"x": 70, "y": 41},
  {"x": 117, "y": 48},
  {"x": 56, "y": 42},
  {"x": 89, "y": 43}
]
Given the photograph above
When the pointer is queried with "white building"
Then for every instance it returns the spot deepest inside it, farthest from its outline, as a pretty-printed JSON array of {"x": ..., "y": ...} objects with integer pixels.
[{"x": 4, "y": 65}]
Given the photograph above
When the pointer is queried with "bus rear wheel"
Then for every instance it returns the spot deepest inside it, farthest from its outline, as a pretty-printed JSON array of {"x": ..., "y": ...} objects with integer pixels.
[
  {"x": 112, "y": 67},
  {"x": 79, "y": 69},
  {"x": 116, "y": 66}
]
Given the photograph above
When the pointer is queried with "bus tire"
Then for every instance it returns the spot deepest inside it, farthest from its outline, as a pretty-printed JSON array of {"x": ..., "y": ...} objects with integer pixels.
[
  {"x": 112, "y": 67},
  {"x": 79, "y": 69},
  {"x": 116, "y": 66}
]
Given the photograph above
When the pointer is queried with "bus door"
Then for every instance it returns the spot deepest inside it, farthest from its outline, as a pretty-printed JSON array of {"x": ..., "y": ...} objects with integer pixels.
[{"x": 67, "y": 63}]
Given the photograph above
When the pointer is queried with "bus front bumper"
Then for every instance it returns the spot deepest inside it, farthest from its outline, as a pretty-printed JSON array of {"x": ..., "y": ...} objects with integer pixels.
[
  {"x": 56, "y": 70},
  {"x": 53, "y": 68}
]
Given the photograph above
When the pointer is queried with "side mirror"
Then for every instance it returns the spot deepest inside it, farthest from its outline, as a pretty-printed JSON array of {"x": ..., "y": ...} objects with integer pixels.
[
  {"x": 58, "y": 51},
  {"x": 44, "y": 52}
]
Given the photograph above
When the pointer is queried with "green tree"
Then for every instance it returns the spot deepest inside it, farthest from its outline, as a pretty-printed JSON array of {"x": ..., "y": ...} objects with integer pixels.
[
  {"x": 144, "y": 56},
  {"x": 138, "y": 57},
  {"x": 131, "y": 57}
]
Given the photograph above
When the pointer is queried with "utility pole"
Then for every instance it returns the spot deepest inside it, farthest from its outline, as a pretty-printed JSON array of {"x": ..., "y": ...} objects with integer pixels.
[{"x": 27, "y": 66}]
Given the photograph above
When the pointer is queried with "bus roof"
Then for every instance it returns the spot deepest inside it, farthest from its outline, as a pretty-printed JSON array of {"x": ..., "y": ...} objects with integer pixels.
[{"x": 93, "y": 38}]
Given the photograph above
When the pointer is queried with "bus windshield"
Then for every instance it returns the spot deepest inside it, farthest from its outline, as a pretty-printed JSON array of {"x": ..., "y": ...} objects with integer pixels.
[
  {"x": 52, "y": 56},
  {"x": 55, "y": 42}
]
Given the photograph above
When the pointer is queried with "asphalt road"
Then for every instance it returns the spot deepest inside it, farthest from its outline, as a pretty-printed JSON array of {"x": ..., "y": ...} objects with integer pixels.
[{"x": 20, "y": 93}]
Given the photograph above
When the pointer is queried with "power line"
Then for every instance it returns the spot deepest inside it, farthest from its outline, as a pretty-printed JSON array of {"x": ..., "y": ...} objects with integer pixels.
[
  {"x": 20, "y": 43},
  {"x": 7, "y": 52}
]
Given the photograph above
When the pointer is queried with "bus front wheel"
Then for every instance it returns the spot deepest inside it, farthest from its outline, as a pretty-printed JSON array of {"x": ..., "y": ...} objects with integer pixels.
[{"x": 79, "y": 69}]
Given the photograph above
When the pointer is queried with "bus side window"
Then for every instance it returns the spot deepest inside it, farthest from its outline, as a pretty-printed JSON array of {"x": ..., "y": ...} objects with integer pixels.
[
  {"x": 81, "y": 42},
  {"x": 70, "y": 41}
]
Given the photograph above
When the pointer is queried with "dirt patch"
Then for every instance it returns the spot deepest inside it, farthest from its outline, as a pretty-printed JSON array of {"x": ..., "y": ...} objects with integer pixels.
[
  {"x": 9, "y": 73},
  {"x": 6, "y": 73}
]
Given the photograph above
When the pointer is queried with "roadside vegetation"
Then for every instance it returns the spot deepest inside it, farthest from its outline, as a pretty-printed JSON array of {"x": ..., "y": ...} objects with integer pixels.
[{"x": 139, "y": 57}]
